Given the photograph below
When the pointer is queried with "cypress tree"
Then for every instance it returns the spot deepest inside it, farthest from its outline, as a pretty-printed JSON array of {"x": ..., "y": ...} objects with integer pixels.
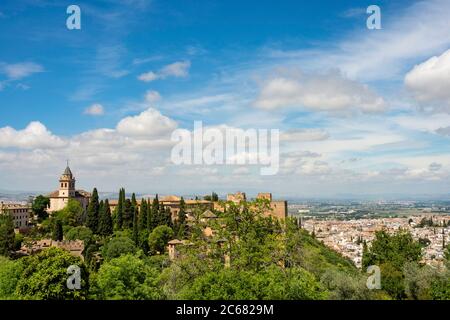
[
  {"x": 127, "y": 215},
  {"x": 133, "y": 201},
  {"x": 135, "y": 217},
  {"x": 135, "y": 226},
  {"x": 154, "y": 215},
  {"x": 105, "y": 225},
  {"x": 143, "y": 216},
  {"x": 57, "y": 231},
  {"x": 92, "y": 214},
  {"x": 120, "y": 205},
  {"x": 150, "y": 219},
  {"x": 168, "y": 217},
  {"x": 160, "y": 218}
]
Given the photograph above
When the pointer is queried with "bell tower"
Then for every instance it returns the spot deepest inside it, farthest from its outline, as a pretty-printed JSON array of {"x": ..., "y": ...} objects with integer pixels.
[{"x": 67, "y": 184}]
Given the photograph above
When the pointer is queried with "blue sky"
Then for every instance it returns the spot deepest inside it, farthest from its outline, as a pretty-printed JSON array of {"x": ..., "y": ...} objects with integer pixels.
[{"x": 360, "y": 111}]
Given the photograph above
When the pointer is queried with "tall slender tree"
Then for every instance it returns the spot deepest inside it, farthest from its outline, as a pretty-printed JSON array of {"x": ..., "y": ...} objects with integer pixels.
[
  {"x": 133, "y": 201},
  {"x": 150, "y": 219},
  {"x": 135, "y": 228},
  {"x": 92, "y": 212},
  {"x": 128, "y": 214},
  {"x": 105, "y": 224},
  {"x": 120, "y": 206},
  {"x": 168, "y": 217},
  {"x": 154, "y": 214},
  {"x": 6, "y": 233},
  {"x": 57, "y": 231},
  {"x": 142, "y": 224}
]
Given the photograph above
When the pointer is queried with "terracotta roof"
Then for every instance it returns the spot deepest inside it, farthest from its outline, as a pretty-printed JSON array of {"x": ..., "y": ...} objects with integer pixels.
[
  {"x": 78, "y": 194},
  {"x": 170, "y": 198},
  {"x": 208, "y": 214},
  {"x": 115, "y": 202},
  {"x": 197, "y": 201},
  {"x": 82, "y": 193},
  {"x": 53, "y": 194}
]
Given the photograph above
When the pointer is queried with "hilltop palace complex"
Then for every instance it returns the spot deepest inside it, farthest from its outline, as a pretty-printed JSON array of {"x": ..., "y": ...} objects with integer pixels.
[
  {"x": 341, "y": 236},
  {"x": 67, "y": 190}
]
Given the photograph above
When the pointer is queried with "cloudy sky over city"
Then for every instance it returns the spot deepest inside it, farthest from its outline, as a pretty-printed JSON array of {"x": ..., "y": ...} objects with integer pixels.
[{"x": 359, "y": 111}]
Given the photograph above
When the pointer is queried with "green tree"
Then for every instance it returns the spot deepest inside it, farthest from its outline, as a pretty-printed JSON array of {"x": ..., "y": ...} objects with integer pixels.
[
  {"x": 6, "y": 234},
  {"x": 80, "y": 233},
  {"x": 105, "y": 224},
  {"x": 92, "y": 212},
  {"x": 71, "y": 214},
  {"x": 120, "y": 208},
  {"x": 142, "y": 223},
  {"x": 10, "y": 273},
  {"x": 271, "y": 283},
  {"x": 118, "y": 246},
  {"x": 159, "y": 238},
  {"x": 40, "y": 205},
  {"x": 45, "y": 276},
  {"x": 136, "y": 226},
  {"x": 397, "y": 249},
  {"x": 391, "y": 253},
  {"x": 126, "y": 278},
  {"x": 447, "y": 253},
  {"x": 57, "y": 233},
  {"x": 154, "y": 213},
  {"x": 344, "y": 286},
  {"x": 128, "y": 212}
]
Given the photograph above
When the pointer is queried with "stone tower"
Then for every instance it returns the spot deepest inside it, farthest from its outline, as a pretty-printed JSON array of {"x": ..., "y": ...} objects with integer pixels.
[{"x": 67, "y": 184}]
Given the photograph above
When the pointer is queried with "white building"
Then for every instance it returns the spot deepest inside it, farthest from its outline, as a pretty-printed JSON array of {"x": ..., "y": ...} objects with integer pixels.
[
  {"x": 66, "y": 191},
  {"x": 20, "y": 213}
]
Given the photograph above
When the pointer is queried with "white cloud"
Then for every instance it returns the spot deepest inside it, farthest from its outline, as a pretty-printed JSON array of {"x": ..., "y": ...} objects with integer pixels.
[
  {"x": 429, "y": 82},
  {"x": 152, "y": 96},
  {"x": 21, "y": 70},
  {"x": 179, "y": 69},
  {"x": 108, "y": 61},
  {"x": 320, "y": 92},
  {"x": 418, "y": 31},
  {"x": 432, "y": 123},
  {"x": 148, "y": 76},
  {"x": 35, "y": 135},
  {"x": 95, "y": 110},
  {"x": 444, "y": 131},
  {"x": 301, "y": 135},
  {"x": 435, "y": 166},
  {"x": 148, "y": 123}
]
